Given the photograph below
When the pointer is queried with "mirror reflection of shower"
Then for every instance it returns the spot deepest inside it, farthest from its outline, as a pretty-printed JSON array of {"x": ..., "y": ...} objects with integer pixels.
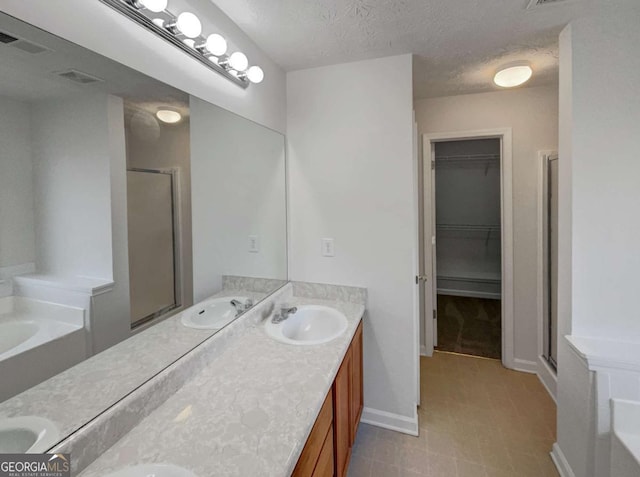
[
  {"x": 551, "y": 260},
  {"x": 158, "y": 208}
]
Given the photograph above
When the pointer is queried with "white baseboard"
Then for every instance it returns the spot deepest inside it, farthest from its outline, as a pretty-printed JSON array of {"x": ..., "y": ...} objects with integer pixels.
[
  {"x": 547, "y": 377},
  {"x": 558, "y": 458},
  {"x": 424, "y": 352},
  {"x": 388, "y": 420},
  {"x": 525, "y": 366}
]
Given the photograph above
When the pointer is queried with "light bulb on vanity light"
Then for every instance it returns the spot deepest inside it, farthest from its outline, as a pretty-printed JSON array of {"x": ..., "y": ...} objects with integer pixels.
[
  {"x": 255, "y": 74},
  {"x": 189, "y": 25},
  {"x": 238, "y": 61},
  {"x": 216, "y": 44},
  {"x": 155, "y": 6}
]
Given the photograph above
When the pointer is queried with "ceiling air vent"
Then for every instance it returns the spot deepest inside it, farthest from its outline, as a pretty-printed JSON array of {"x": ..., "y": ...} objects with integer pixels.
[
  {"x": 6, "y": 38},
  {"x": 79, "y": 77},
  {"x": 28, "y": 47},
  {"x": 541, "y": 3}
]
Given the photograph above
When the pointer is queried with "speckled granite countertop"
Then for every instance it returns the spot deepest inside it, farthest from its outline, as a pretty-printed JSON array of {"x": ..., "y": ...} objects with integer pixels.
[
  {"x": 247, "y": 413},
  {"x": 77, "y": 395}
]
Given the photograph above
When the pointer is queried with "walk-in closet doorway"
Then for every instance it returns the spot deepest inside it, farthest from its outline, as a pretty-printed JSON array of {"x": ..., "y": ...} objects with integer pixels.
[{"x": 466, "y": 262}]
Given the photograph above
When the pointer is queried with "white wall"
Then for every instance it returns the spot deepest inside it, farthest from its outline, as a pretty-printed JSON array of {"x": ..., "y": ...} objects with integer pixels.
[
  {"x": 605, "y": 171},
  {"x": 599, "y": 201},
  {"x": 238, "y": 189},
  {"x": 17, "y": 229},
  {"x": 80, "y": 202},
  {"x": 350, "y": 151},
  {"x": 532, "y": 113},
  {"x": 114, "y": 36},
  {"x": 72, "y": 189}
]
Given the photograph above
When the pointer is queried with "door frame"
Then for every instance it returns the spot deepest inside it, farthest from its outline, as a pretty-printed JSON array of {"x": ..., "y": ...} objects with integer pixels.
[
  {"x": 546, "y": 373},
  {"x": 506, "y": 212}
]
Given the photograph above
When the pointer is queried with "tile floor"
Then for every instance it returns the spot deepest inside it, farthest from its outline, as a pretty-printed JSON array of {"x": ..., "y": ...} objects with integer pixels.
[{"x": 477, "y": 419}]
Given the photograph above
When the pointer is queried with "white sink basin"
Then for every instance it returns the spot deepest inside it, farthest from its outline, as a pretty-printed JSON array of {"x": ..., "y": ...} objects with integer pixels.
[
  {"x": 153, "y": 470},
  {"x": 212, "y": 314},
  {"x": 28, "y": 434},
  {"x": 310, "y": 325}
]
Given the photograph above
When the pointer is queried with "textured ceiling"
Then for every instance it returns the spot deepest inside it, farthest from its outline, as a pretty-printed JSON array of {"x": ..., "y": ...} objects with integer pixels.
[{"x": 458, "y": 43}]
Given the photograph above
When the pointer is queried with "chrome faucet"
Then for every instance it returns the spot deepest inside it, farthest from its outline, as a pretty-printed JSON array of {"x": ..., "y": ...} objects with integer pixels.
[
  {"x": 285, "y": 312},
  {"x": 241, "y": 307}
]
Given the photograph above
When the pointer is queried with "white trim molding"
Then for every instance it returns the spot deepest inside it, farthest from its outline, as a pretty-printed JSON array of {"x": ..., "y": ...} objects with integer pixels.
[
  {"x": 548, "y": 377},
  {"x": 525, "y": 366},
  {"x": 391, "y": 421},
  {"x": 560, "y": 461},
  {"x": 506, "y": 202}
]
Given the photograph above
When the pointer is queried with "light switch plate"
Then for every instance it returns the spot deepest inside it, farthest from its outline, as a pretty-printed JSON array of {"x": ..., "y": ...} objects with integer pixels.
[
  {"x": 254, "y": 244},
  {"x": 328, "y": 249}
]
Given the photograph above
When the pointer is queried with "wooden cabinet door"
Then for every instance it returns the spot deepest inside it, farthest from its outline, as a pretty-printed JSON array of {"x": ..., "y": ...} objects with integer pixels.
[
  {"x": 342, "y": 416},
  {"x": 356, "y": 404}
]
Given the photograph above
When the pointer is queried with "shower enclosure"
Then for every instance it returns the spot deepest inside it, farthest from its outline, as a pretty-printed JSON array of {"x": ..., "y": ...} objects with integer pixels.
[{"x": 153, "y": 284}]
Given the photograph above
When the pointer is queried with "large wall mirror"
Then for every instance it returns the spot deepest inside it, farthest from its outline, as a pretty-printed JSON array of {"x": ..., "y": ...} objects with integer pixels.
[{"x": 135, "y": 222}]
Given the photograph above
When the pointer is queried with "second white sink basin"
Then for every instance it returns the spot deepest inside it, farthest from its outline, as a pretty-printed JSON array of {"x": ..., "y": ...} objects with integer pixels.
[
  {"x": 27, "y": 435},
  {"x": 153, "y": 470},
  {"x": 309, "y": 325},
  {"x": 212, "y": 314}
]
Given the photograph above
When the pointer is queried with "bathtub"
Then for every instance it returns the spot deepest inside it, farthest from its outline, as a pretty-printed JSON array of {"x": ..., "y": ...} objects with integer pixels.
[{"x": 37, "y": 340}]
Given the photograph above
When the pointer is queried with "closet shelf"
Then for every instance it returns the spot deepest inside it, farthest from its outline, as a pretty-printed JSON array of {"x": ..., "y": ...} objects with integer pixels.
[
  {"x": 468, "y": 227},
  {"x": 468, "y": 279},
  {"x": 474, "y": 158}
]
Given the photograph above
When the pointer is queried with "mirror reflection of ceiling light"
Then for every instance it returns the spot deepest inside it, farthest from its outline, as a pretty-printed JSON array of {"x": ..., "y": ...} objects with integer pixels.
[
  {"x": 186, "y": 32},
  {"x": 512, "y": 76},
  {"x": 168, "y": 116}
]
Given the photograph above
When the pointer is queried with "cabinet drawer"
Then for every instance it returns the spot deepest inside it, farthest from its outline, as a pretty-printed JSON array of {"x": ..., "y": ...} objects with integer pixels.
[{"x": 314, "y": 446}]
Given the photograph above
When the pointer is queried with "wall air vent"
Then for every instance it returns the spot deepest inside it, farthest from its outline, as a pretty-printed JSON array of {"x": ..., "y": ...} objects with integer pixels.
[
  {"x": 79, "y": 77},
  {"x": 541, "y": 3},
  {"x": 6, "y": 38}
]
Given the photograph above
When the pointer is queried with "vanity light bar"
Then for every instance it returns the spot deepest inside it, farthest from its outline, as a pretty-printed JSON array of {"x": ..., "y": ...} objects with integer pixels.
[{"x": 184, "y": 31}]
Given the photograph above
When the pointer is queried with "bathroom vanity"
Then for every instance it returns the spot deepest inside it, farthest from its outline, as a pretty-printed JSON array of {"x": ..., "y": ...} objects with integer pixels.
[{"x": 328, "y": 448}]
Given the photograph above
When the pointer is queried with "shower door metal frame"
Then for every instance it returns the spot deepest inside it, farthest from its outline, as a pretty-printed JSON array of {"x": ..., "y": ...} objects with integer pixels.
[
  {"x": 174, "y": 173},
  {"x": 546, "y": 369},
  {"x": 547, "y": 268}
]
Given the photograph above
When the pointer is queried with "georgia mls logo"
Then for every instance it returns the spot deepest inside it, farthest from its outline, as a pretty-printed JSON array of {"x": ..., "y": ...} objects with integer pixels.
[{"x": 35, "y": 465}]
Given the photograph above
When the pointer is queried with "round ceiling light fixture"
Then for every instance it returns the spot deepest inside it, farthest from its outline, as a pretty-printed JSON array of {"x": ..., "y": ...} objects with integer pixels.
[
  {"x": 513, "y": 75},
  {"x": 169, "y": 116}
]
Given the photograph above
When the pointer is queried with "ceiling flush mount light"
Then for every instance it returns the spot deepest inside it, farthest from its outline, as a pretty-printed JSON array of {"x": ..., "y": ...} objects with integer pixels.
[
  {"x": 512, "y": 76},
  {"x": 185, "y": 31},
  {"x": 169, "y": 116}
]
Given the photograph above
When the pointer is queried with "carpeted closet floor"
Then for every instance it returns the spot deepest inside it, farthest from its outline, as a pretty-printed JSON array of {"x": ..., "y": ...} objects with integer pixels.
[{"x": 470, "y": 326}]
